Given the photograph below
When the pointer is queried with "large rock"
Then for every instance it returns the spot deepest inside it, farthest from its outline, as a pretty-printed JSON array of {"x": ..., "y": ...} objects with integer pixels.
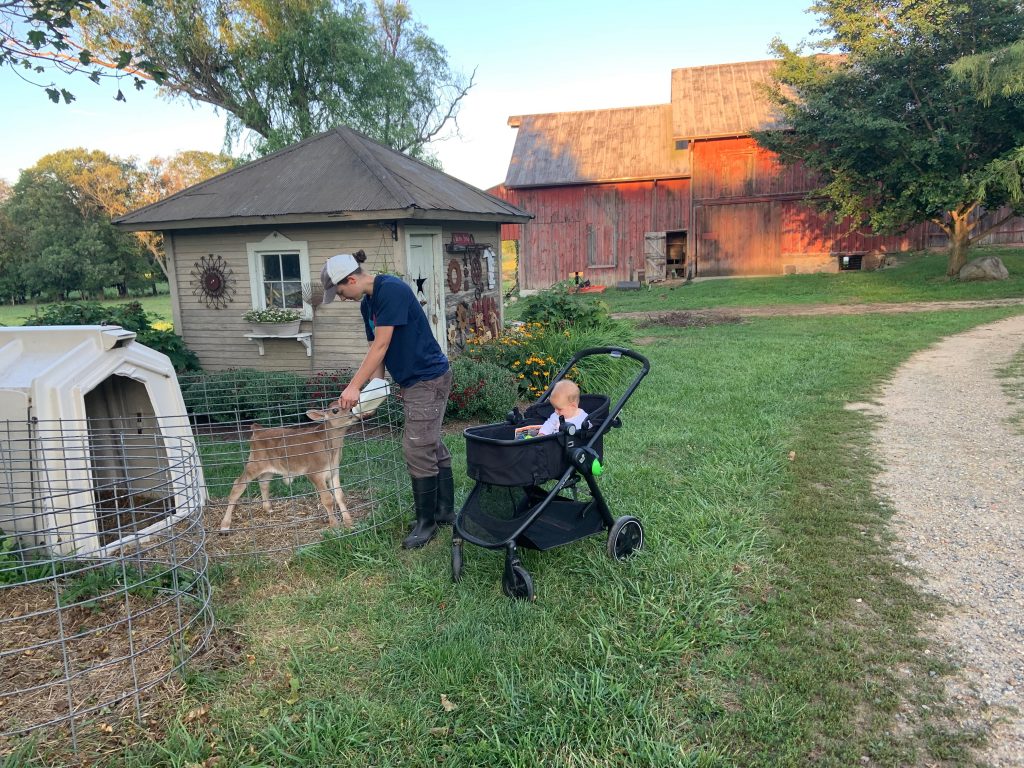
[{"x": 984, "y": 268}]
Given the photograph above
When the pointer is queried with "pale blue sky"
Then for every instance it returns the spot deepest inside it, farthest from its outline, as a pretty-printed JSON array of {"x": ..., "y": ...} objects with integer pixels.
[{"x": 531, "y": 56}]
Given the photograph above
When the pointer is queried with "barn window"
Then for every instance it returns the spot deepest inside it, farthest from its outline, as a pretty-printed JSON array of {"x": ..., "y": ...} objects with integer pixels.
[
  {"x": 601, "y": 247},
  {"x": 279, "y": 273},
  {"x": 682, "y": 144},
  {"x": 850, "y": 262}
]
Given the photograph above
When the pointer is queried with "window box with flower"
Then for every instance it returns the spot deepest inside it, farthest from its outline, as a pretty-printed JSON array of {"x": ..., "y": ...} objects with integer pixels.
[{"x": 274, "y": 321}]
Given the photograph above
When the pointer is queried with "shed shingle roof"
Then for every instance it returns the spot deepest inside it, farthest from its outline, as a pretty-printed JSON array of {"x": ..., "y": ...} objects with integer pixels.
[
  {"x": 595, "y": 145},
  {"x": 334, "y": 176}
]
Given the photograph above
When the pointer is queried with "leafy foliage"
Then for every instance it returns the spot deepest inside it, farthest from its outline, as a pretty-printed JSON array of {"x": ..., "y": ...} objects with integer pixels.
[
  {"x": 894, "y": 140},
  {"x": 535, "y": 352},
  {"x": 518, "y": 350},
  {"x": 15, "y": 568},
  {"x": 993, "y": 73},
  {"x": 55, "y": 224},
  {"x": 246, "y": 394},
  {"x": 131, "y": 317},
  {"x": 89, "y": 584},
  {"x": 288, "y": 70},
  {"x": 558, "y": 307},
  {"x": 40, "y": 36},
  {"x": 595, "y": 373},
  {"x": 480, "y": 390}
]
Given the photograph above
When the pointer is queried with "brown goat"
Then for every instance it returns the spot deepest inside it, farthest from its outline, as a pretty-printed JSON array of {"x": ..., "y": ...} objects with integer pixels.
[{"x": 313, "y": 450}]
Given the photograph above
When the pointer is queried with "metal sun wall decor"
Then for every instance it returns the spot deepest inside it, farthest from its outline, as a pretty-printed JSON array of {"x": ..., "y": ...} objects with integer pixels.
[{"x": 213, "y": 281}]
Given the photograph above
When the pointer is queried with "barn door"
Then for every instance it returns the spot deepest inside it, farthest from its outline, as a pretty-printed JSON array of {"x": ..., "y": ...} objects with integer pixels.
[
  {"x": 423, "y": 265},
  {"x": 654, "y": 256},
  {"x": 739, "y": 239}
]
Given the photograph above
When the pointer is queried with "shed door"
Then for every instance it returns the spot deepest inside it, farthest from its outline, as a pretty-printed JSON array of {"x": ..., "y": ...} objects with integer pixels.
[
  {"x": 654, "y": 256},
  {"x": 423, "y": 265}
]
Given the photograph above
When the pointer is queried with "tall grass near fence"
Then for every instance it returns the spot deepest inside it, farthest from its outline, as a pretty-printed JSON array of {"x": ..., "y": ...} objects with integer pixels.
[{"x": 762, "y": 625}]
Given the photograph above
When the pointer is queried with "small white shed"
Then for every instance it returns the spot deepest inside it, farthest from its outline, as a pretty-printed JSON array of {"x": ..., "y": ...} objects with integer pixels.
[{"x": 96, "y": 449}]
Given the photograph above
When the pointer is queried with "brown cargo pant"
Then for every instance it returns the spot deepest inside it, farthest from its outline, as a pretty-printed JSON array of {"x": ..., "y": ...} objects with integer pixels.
[{"x": 424, "y": 404}]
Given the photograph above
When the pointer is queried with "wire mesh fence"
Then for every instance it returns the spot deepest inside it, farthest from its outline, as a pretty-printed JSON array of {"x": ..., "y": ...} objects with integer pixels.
[
  {"x": 104, "y": 591},
  {"x": 107, "y": 524},
  {"x": 282, "y": 464}
]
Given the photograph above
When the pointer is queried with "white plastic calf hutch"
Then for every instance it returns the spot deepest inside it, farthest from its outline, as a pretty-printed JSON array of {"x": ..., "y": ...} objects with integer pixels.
[{"x": 93, "y": 441}]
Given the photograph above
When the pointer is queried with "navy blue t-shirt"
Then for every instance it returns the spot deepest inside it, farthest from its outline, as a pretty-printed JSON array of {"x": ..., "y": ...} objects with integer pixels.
[{"x": 414, "y": 354}]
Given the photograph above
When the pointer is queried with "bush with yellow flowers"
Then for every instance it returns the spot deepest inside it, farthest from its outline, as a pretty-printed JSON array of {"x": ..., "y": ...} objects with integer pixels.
[{"x": 519, "y": 349}]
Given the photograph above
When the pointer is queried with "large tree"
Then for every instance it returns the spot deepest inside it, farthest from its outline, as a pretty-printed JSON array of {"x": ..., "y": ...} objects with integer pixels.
[
  {"x": 895, "y": 140},
  {"x": 289, "y": 69},
  {"x": 58, "y": 219},
  {"x": 165, "y": 176},
  {"x": 997, "y": 72},
  {"x": 39, "y": 39}
]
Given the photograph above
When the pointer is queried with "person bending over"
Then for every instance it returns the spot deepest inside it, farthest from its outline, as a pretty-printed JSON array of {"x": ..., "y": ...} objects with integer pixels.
[{"x": 401, "y": 341}]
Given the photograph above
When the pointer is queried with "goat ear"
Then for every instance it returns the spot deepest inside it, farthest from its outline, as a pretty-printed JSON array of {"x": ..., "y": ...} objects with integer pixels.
[{"x": 316, "y": 415}]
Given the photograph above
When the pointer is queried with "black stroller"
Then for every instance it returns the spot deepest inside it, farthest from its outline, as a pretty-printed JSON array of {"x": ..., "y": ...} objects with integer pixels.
[{"x": 509, "y": 507}]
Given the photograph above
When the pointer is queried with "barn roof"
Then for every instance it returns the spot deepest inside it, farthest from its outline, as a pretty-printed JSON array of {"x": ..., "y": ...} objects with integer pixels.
[
  {"x": 606, "y": 145},
  {"x": 340, "y": 175},
  {"x": 722, "y": 100}
]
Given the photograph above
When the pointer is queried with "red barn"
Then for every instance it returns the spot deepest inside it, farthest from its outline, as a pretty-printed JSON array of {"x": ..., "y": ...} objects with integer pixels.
[{"x": 677, "y": 189}]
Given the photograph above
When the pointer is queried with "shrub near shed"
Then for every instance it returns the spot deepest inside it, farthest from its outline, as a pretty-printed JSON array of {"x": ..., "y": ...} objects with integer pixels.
[{"x": 480, "y": 391}]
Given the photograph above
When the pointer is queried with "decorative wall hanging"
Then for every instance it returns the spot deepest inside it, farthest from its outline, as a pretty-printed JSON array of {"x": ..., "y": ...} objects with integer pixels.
[
  {"x": 476, "y": 274},
  {"x": 454, "y": 276},
  {"x": 213, "y": 281}
]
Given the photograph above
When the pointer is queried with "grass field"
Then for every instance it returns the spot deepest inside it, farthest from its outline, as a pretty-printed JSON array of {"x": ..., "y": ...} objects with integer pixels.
[
  {"x": 919, "y": 277},
  {"x": 763, "y": 624},
  {"x": 18, "y": 315}
]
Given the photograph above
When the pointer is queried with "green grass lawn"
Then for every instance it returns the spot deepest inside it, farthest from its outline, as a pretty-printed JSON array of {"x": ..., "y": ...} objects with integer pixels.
[
  {"x": 156, "y": 305},
  {"x": 763, "y": 624},
  {"x": 919, "y": 277}
]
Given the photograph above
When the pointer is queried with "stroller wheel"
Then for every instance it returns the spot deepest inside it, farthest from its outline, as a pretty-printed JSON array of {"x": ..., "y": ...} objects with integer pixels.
[
  {"x": 519, "y": 586},
  {"x": 625, "y": 537}
]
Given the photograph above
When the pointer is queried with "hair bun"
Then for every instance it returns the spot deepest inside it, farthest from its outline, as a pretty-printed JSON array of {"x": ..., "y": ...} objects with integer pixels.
[{"x": 359, "y": 255}]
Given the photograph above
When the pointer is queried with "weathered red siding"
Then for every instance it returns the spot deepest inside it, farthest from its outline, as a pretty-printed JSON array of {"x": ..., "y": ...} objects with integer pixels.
[
  {"x": 749, "y": 215},
  {"x": 752, "y": 218},
  {"x": 597, "y": 230},
  {"x": 807, "y": 231}
]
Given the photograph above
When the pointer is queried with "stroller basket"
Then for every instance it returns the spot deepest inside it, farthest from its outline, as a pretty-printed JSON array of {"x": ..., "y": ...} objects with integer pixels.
[
  {"x": 494, "y": 456},
  {"x": 493, "y": 514}
]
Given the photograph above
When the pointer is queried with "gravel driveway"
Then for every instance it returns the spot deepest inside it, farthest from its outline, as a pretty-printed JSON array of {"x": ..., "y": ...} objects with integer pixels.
[{"x": 954, "y": 479}]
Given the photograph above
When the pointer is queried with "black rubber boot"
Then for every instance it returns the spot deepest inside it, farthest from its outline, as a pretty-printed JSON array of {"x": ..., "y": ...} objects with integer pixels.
[
  {"x": 424, "y": 495},
  {"x": 445, "y": 514}
]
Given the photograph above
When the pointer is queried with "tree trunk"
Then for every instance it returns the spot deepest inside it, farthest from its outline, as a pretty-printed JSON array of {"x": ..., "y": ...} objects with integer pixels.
[{"x": 959, "y": 242}]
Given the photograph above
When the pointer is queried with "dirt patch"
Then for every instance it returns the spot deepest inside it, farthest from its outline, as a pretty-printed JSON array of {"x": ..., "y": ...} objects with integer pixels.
[
  {"x": 682, "y": 319},
  {"x": 116, "y": 654},
  {"x": 292, "y": 523}
]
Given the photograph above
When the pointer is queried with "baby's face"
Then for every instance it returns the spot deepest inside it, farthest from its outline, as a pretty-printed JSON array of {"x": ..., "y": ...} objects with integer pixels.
[{"x": 563, "y": 407}]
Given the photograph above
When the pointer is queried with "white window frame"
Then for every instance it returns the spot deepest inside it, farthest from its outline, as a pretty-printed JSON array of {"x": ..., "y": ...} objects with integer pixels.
[{"x": 275, "y": 242}]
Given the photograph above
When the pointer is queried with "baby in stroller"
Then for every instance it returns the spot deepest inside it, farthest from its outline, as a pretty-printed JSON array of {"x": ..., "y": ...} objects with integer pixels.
[
  {"x": 526, "y": 489},
  {"x": 565, "y": 399},
  {"x": 565, "y": 402}
]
